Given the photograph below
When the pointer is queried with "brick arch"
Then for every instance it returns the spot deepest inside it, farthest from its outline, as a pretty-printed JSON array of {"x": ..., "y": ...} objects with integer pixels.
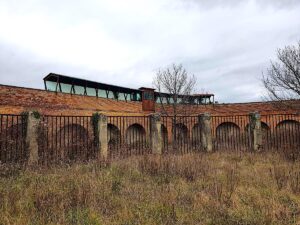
[
  {"x": 181, "y": 132},
  {"x": 130, "y": 123},
  {"x": 227, "y": 135},
  {"x": 164, "y": 133},
  {"x": 226, "y": 121},
  {"x": 228, "y": 126},
  {"x": 288, "y": 124},
  {"x": 196, "y": 134},
  {"x": 287, "y": 133},
  {"x": 135, "y": 134},
  {"x": 167, "y": 123},
  {"x": 74, "y": 143},
  {"x": 264, "y": 126},
  {"x": 12, "y": 144},
  {"x": 113, "y": 136}
]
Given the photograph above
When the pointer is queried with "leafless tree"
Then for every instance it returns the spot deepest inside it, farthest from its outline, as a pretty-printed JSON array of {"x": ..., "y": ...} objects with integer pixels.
[
  {"x": 282, "y": 80},
  {"x": 178, "y": 85}
]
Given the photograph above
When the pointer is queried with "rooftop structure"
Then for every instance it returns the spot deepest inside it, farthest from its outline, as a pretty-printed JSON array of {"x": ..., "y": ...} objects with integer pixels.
[{"x": 66, "y": 84}]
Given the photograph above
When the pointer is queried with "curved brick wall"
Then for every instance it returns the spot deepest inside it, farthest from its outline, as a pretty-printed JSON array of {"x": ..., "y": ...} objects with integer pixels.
[
  {"x": 228, "y": 120},
  {"x": 14, "y": 100}
]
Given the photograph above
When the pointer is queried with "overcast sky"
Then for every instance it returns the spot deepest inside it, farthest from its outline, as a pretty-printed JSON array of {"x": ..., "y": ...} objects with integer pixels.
[{"x": 226, "y": 44}]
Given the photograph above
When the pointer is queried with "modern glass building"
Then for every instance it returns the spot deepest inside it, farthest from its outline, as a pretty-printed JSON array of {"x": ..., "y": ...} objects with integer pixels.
[{"x": 66, "y": 84}]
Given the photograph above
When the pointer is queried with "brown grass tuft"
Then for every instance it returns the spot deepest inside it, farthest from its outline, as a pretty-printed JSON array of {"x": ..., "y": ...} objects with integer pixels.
[{"x": 217, "y": 188}]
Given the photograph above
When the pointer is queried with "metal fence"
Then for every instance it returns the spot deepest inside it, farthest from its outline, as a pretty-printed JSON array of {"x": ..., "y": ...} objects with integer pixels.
[
  {"x": 12, "y": 138},
  {"x": 63, "y": 138},
  {"x": 66, "y": 138},
  {"x": 128, "y": 135},
  {"x": 231, "y": 132},
  {"x": 281, "y": 132},
  {"x": 181, "y": 134}
]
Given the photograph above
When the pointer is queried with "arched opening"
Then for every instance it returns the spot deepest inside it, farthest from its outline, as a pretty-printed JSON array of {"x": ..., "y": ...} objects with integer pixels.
[
  {"x": 288, "y": 125},
  {"x": 228, "y": 136},
  {"x": 135, "y": 135},
  {"x": 264, "y": 127},
  {"x": 164, "y": 134},
  {"x": 181, "y": 133},
  {"x": 73, "y": 143},
  {"x": 113, "y": 137},
  {"x": 196, "y": 136},
  {"x": 287, "y": 134},
  {"x": 266, "y": 133},
  {"x": 12, "y": 144}
]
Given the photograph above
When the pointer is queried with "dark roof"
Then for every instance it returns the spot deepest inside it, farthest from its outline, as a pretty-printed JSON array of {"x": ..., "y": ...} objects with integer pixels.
[
  {"x": 146, "y": 88},
  {"x": 92, "y": 84},
  {"x": 87, "y": 83}
]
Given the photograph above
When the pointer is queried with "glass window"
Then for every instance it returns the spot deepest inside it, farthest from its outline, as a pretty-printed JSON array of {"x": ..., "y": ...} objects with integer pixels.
[
  {"x": 111, "y": 94},
  {"x": 66, "y": 88},
  {"x": 51, "y": 86},
  {"x": 135, "y": 97},
  {"x": 91, "y": 91},
  {"x": 79, "y": 90},
  {"x": 122, "y": 97},
  {"x": 163, "y": 100},
  {"x": 101, "y": 93},
  {"x": 148, "y": 95}
]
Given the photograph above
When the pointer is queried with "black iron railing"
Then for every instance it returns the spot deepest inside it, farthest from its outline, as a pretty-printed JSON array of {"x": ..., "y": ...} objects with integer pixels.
[
  {"x": 231, "y": 132},
  {"x": 128, "y": 135},
  {"x": 281, "y": 132},
  {"x": 181, "y": 134},
  {"x": 12, "y": 138},
  {"x": 66, "y": 138},
  {"x": 63, "y": 138}
]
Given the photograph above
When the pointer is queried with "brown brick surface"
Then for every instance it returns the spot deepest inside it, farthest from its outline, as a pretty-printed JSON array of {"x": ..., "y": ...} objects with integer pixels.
[{"x": 14, "y": 100}]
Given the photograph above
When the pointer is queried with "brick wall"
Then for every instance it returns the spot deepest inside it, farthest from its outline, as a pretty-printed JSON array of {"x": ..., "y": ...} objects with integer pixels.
[{"x": 14, "y": 100}]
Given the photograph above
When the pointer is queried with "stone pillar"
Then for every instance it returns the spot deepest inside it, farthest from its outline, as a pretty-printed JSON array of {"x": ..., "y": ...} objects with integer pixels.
[
  {"x": 156, "y": 135},
  {"x": 103, "y": 142},
  {"x": 205, "y": 131},
  {"x": 255, "y": 131},
  {"x": 33, "y": 122}
]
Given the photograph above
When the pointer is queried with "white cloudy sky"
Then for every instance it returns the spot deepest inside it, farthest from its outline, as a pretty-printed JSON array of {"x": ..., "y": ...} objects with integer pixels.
[{"x": 226, "y": 44}]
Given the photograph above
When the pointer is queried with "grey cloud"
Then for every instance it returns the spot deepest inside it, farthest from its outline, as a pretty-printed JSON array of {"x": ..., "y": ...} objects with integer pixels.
[{"x": 227, "y": 49}]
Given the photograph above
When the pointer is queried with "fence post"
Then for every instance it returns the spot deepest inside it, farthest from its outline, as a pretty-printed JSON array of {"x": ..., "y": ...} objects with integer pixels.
[
  {"x": 156, "y": 135},
  {"x": 102, "y": 135},
  {"x": 205, "y": 131},
  {"x": 255, "y": 131},
  {"x": 33, "y": 122}
]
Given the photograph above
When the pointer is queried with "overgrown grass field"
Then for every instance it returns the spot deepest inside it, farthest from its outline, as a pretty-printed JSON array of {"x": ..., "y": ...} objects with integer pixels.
[{"x": 216, "y": 188}]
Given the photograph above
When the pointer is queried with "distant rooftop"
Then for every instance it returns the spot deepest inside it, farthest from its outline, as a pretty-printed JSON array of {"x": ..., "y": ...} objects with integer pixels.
[{"x": 67, "y": 84}]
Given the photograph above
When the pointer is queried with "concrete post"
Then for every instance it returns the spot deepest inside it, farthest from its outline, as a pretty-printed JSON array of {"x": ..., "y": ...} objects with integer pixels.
[
  {"x": 205, "y": 131},
  {"x": 103, "y": 142},
  {"x": 156, "y": 135},
  {"x": 33, "y": 122},
  {"x": 255, "y": 131}
]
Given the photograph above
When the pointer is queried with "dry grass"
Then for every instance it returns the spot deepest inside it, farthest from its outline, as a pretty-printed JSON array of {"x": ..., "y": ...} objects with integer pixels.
[{"x": 217, "y": 188}]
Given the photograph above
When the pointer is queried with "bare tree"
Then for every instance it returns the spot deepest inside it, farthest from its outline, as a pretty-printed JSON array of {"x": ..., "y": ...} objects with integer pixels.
[
  {"x": 175, "y": 84},
  {"x": 282, "y": 80}
]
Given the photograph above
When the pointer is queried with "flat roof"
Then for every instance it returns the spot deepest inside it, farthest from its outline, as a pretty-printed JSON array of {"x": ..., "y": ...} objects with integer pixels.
[{"x": 54, "y": 77}]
